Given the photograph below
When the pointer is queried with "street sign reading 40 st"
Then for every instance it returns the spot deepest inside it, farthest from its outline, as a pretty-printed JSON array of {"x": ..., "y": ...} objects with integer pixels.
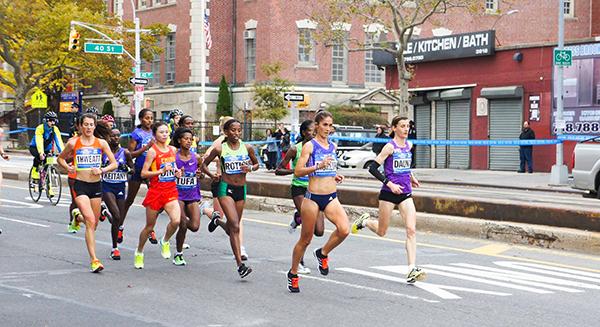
[{"x": 103, "y": 48}]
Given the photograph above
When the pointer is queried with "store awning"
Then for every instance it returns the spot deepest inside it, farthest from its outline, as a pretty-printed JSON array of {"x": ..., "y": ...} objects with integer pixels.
[{"x": 502, "y": 92}]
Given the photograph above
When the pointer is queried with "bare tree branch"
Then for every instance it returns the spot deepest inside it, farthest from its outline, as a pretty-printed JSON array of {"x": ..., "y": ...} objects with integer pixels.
[{"x": 7, "y": 83}]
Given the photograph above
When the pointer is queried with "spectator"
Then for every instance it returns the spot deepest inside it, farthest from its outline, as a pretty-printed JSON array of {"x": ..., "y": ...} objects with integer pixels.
[
  {"x": 271, "y": 150},
  {"x": 278, "y": 135},
  {"x": 412, "y": 135},
  {"x": 526, "y": 151},
  {"x": 380, "y": 134}
]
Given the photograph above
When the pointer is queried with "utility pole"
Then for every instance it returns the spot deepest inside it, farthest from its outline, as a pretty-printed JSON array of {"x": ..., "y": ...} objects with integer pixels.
[
  {"x": 137, "y": 97},
  {"x": 559, "y": 173},
  {"x": 203, "y": 69}
]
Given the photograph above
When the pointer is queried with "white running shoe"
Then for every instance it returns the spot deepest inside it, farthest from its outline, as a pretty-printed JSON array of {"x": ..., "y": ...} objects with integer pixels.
[
  {"x": 303, "y": 270},
  {"x": 204, "y": 205},
  {"x": 186, "y": 246},
  {"x": 243, "y": 253}
]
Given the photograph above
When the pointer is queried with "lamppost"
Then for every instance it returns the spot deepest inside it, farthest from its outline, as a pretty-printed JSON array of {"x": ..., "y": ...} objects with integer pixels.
[
  {"x": 508, "y": 13},
  {"x": 138, "y": 64}
]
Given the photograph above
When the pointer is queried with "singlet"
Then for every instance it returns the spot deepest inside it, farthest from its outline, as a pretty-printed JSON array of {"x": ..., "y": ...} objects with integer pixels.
[
  {"x": 318, "y": 154},
  {"x": 142, "y": 137},
  {"x": 162, "y": 159},
  {"x": 187, "y": 185},
  {"x": 232, "y": 160},
  {"x": 298, "y": 181},
  {"x": 118, "y": 175},
  {"x": 396, "y": 167},
  {"x": 87, "y": 157}
]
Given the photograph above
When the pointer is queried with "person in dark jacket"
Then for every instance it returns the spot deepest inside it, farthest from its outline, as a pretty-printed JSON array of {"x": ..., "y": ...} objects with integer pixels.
[
  {"x": 526, "y": 151},
  {"x": 380, "y": 134},
  {"x": 412, "y": 135}
]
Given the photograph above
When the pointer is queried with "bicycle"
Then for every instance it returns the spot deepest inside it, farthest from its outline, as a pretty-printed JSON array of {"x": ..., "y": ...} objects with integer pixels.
[{"x": 50, "y": 181}]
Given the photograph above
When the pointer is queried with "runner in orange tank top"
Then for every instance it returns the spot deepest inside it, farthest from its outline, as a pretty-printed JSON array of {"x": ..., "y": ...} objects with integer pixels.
[
  {"x": 86, "y": 151},
  {"x": 161, "y": 170}
]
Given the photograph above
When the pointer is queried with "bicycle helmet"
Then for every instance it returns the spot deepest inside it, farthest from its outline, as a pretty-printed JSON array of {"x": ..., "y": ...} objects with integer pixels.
[
  {"x": 175, "y": 112},
  {"x": 50, "y": 115},
  {"x": 92, "y": 110},
  {"x": 108, "y": 118}
]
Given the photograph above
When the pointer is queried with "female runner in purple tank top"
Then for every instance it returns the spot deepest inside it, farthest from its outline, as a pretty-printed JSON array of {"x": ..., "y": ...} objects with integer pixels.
[
  {"x": 188, "y": 188},
  {"x": 398, "y": 182}
]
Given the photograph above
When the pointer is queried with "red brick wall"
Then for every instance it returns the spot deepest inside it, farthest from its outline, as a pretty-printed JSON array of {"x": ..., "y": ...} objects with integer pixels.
[
  {"x": 221, "y": 31},
  {"x": 595, "y": 18}
]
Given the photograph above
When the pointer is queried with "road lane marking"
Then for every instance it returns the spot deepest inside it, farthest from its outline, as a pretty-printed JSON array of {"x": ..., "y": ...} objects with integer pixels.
[
  {"x": 121, "y": 247},
  {"x": 367, "y": 288},
  {"x": 495, "y": 248},
  {"x": 549, "y": 270},
  {"x": 24, "y": 222},
  {"x": 20, "y": 204}
]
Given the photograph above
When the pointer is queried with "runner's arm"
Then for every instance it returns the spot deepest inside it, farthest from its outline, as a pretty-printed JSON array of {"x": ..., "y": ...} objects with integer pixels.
[
  {"x": 111, "y": 157},
  {"x": 289, "y": 155},
  {"x": 252, "y": 156},
  {"x": 146, "y": 173}
]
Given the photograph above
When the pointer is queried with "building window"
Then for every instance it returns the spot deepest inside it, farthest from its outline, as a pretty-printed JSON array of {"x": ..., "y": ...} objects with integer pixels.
[
  {"x": 569, "y": 8},
  {"x": 306, "y": 47},
  {"x": 142, "y": 3},
  {"x": 491, "y": 6},
  {"x": 250, "y": 58},
  {"x": 170, "y": 59},
  {"x": 339, "y": 62},
  {"x": 372, "y": 73}
]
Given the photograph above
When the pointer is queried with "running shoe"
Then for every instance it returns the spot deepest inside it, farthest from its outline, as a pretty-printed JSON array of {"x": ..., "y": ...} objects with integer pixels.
[
  {"x": 212, "y": 225},
  {"x": 292, "y": 282},
  {"x": 416, "y": 274},
  {"x": 294, "y": 223},
  {"x": 186, "y": 246},
  {"x": 244, "y": 270},
  {"x": 204, "y": 205},
  {"x": 138, "y": 261},
  {"x": 104, "y": 213},
  {"x": 152, "y": 238},
  {"x": 120, "y": 235},
  {"x": 323, "y": 262},
  {"x": 359, "y": 223},
  {"x": 35, "y": 174},
  {"x": 303, "y": 270},
  {"x": 115, "y": 254},
  {"x": 178, "y": 260},
  {"x": 74, "y": 225},
  {"x": 96, "y": 266},
  {"x": 165, "y": 249},
  {"x": 243, "y": 253}
]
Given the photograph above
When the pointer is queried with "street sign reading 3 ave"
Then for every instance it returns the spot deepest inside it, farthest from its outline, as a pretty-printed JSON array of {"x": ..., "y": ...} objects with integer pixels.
[{"x": 103, "y": 48}]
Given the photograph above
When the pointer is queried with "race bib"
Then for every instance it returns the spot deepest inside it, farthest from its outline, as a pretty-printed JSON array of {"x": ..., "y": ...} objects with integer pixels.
[
  {"x": 88, "y": 158},
  {"x": 233, "y": 164},
  {"x": 168, "y": 175},
  {"x": 188, "y": 181},
  {"x": 329, "y": 170},
  {"x": 401, "y": 162},
  {"x": 114, "y": 177}
]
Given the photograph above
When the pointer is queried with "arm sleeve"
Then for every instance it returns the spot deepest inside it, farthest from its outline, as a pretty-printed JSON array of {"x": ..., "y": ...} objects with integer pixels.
[
  {"x": 58, "y": 138},
  {"x": 39, "y": 138},
  {"x": 374, "y": 170}
]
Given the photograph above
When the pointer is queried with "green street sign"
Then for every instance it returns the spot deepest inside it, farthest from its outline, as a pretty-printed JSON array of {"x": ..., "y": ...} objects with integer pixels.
[
  {"x": 146, "y": 74},
  {"x": 563, "y": 58},
  {"x": 103, "y": 48}
]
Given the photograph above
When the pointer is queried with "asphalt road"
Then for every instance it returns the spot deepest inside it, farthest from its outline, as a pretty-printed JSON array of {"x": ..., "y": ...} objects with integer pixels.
[{"x": 44, "y": 278}]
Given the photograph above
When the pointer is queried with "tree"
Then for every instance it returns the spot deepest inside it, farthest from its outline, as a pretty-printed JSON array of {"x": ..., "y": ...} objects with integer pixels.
[
  {"x": 34, "y": 43},
  {"x": 396, "y": 17},
  {"x": 268, "y": 95},
  {"x": 224, "y": 100},
  {"x": 107, "y": 108},
  {"x": 355, "y": 116}
]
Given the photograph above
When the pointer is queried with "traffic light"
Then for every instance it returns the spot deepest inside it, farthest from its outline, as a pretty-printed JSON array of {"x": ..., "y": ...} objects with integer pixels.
[{"x": 74, "y": 43}]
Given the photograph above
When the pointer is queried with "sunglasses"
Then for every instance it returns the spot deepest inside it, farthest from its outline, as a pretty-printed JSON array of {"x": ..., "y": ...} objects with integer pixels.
[{"x": 51, "y": 120}]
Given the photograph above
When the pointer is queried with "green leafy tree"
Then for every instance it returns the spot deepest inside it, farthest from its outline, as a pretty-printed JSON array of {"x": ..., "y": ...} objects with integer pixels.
[
  {"x": 107, "y": 108},
  {"x": 224, "y": 100},
  {"x": 396, "y": 18},
  {"x": 268, "y": 95},
  {"x": 350, "y": 115},
  {"x": 34, "y": 38}
]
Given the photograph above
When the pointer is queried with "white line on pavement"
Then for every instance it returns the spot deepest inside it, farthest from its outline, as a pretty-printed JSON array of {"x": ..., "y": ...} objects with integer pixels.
[
  {"x": 550, "y": 270},
  {"x": 97, "y": 241},
  {"x": 24, "y": 222}
]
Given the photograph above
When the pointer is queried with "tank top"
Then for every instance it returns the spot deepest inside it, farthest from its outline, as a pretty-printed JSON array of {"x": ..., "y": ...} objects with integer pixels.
[
  {"x": 118, "y": 175},
  {"x": 298, "y": 181},
  {"x": 87, "y": 156},
  {"x": 142, "y": 137},
  {"x": 318, "y": 154},
  {"x": 187, "y": 184},
  {"x": 233, "y": 160},
  {"x": 396, "y": 167},
  {"x": 162, "y": 159}
]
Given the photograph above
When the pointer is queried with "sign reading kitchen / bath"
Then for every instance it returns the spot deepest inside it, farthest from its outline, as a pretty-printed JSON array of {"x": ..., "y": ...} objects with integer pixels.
[{"x": 450, "y": 47}]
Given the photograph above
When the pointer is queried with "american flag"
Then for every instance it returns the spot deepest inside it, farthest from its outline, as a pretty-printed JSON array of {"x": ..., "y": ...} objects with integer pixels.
[{"x": 207, "y": 32}]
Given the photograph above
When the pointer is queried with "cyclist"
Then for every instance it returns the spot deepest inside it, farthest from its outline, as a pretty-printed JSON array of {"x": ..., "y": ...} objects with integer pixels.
[
  {"x": 47, "y": 139},
  {"x": 109, "y": 121}
]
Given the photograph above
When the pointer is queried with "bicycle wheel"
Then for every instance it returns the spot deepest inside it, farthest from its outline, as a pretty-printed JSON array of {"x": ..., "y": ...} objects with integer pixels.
[
  {"x": 35, "y": 187},
  {"x": 53, "y": 185}
]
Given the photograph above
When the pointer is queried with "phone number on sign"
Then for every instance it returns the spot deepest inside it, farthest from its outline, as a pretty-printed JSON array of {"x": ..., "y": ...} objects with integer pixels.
[{"x": 583, "y": 128}]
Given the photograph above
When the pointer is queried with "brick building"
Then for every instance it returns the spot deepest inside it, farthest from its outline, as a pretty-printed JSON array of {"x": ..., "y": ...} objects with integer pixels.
[
  {"x": 245, "y": 35},
  {"x": 459, "y": 94}
]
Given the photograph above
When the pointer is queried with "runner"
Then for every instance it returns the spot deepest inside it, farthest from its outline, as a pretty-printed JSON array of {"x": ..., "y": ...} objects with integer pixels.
[
  {"x": 398, "y": 182},
  {"x": 113, "y": 189},
  {"x": 74, "y": 213},
  {"x": 174, "y": 118},
  {"x": 160, "y": 169},
  {"x": 319, "y": 161},
  {"x": 4, "y": 156},
  {"x": 237, "y": 160},
  {"x": 140, "y": 141},
  {"x": 188, "y": 188},
  {"x": 188, "y": 122},
  {"x": 86, "y": 151},
  {"x": 300, "y": 184}
]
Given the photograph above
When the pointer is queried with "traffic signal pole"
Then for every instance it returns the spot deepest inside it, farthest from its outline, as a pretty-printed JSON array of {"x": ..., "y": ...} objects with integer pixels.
[{"x": 138, "y": 63}]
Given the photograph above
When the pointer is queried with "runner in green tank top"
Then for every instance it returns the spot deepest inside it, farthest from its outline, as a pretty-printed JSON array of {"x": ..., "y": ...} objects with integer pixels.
[{"x": 300, "y": 184}]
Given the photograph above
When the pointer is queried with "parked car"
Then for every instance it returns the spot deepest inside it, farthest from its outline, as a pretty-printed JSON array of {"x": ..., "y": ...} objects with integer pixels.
[
  {"x": 360, "y": 158},
  {"x": 357, "y": 132},
  {"x": 586, "y": 166}
]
